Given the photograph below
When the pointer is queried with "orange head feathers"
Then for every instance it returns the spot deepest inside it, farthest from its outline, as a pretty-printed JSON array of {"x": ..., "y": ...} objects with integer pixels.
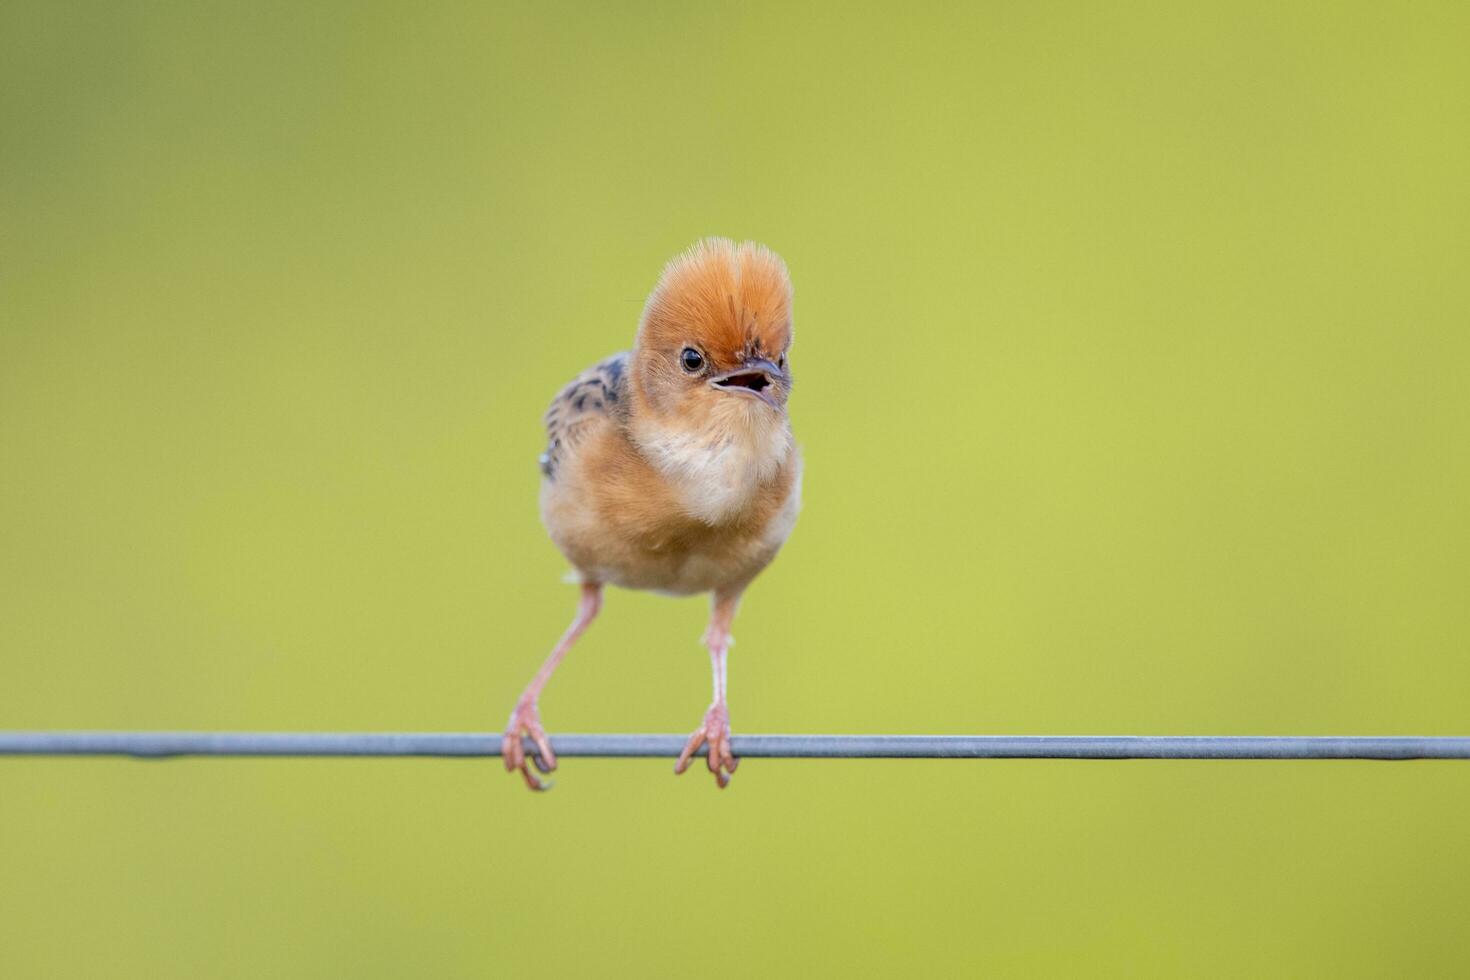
[{"x": 712, "y": 344}]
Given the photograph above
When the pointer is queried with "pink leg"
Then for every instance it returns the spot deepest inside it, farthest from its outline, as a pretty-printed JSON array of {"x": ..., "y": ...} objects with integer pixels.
[
  {"x": 716, "y": 727},
  {"x": 525, "y": 719}
]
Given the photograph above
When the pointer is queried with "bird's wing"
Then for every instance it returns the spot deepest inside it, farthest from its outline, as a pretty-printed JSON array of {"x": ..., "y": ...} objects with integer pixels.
[{"x": 597, "y": 394}]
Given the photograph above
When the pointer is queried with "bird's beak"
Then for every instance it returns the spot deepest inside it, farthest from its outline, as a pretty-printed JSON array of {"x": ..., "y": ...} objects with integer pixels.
[{"x": 756, "y": 378}]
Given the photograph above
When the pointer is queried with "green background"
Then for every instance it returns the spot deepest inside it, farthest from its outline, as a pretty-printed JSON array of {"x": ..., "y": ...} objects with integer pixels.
[{"x": 1132, "y": 354}]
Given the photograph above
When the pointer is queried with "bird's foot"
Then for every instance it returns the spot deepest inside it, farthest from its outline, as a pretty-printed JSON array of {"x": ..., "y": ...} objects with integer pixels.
[
  {"x": 716, "y": 732},
  {"x": 525, "y": 720}
]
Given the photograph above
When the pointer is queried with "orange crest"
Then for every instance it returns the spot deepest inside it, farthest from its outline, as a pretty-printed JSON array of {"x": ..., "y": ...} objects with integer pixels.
[{"x": 733, "y": 300}]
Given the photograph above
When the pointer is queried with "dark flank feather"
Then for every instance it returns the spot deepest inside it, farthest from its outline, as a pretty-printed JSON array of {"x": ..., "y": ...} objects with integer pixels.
[{"x": 598, "y": 391}]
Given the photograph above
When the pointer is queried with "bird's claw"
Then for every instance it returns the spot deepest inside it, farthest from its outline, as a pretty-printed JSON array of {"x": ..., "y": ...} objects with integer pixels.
[
  {"x": 715, "y": 732},
  {"x": 525, "y": 722}
]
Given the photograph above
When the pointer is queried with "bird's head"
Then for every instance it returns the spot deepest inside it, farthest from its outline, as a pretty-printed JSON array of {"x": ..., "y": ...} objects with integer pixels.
[{"x": 712, "y": 348}]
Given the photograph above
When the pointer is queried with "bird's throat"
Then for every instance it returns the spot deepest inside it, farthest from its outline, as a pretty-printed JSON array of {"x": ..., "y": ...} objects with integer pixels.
[{"x": 718, "y": 470}]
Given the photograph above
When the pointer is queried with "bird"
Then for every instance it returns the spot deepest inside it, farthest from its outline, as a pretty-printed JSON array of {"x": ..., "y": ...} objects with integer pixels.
[{"x": 672, "y": 468}]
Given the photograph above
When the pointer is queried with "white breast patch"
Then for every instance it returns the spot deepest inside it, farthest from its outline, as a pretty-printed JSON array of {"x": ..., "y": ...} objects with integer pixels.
[{"x": 717, "y": 471}]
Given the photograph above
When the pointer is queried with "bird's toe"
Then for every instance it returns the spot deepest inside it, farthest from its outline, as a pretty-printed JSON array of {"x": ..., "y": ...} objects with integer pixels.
[
  {"x": 525, "y": 722},
  {"x": 714, "y": 734}
]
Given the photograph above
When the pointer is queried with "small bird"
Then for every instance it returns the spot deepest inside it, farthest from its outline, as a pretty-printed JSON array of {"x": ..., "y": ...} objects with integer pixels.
[{"x": 672, "y": 467}]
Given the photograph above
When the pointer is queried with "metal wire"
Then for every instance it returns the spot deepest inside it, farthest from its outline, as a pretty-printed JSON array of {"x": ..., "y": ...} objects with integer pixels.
[{"x": 157, "y": 745}]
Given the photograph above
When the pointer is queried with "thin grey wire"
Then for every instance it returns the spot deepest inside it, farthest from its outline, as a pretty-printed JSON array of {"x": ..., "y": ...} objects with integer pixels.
[{"x": 158, "y": 745}]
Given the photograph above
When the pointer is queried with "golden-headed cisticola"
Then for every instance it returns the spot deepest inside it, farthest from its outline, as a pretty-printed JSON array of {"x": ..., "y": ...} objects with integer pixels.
[{"x": 672, "y": 467}]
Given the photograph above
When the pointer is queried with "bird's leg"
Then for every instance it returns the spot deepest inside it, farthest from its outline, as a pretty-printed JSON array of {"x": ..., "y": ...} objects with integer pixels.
[
  {"x": 716, "y": 727},
  {"x": 525, "y": 719}
]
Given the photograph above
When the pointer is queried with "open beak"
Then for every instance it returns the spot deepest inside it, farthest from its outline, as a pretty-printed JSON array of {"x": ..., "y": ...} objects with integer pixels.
[{"x": 756, "y": 378}]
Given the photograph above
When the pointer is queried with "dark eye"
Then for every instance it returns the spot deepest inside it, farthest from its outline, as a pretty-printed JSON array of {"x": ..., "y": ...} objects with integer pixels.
[
  {"x": 781, "y": 362},
  {"x": 691, "y": 359}
]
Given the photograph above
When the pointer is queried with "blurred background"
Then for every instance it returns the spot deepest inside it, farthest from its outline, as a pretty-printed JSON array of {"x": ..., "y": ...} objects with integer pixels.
[{"x": 1132, "y": 354}]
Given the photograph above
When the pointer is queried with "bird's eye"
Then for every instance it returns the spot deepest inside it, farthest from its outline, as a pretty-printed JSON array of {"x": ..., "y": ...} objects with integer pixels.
[
  {"x": 691, "y": 360},
  {"x": 781, "y": 362}
]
